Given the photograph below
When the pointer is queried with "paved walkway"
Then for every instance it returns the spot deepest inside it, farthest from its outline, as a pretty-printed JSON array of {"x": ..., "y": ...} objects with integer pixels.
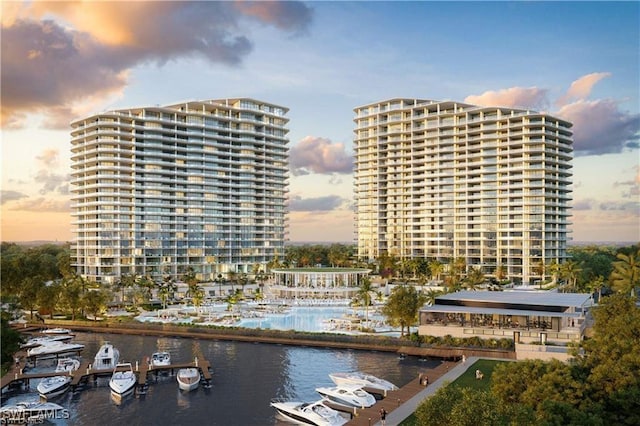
[{"x": 396, "y": 416}]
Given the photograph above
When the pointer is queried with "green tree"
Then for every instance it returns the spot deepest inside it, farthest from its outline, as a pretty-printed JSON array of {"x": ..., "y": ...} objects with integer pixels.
[
  {"x": 10, "y": 339},
  {"x": 401, "y": 308},
  {"x": 364, "y": 295},
  {"x": 71, "y": 295},
  {"x": 626, "y": 273},
  {"x": 436, "y": 269},
  {"x": 48, "y": 297},
  {"x": 28, "y": 295},
  {"x": 570, "y": 272},
  {"x": 461, "y": 406},
  {"x": 475, "y": 277},
  {"x": 95, "y": 301},
  {"x": 612, "y": 355}
]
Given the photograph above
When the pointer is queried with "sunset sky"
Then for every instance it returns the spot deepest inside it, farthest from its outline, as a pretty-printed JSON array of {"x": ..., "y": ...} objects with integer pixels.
[{"x": 66, "y": 60}]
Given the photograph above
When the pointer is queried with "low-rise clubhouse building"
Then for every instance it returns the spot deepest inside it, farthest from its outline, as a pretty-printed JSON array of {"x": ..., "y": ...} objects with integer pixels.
[{"x": 525, "y": 316}]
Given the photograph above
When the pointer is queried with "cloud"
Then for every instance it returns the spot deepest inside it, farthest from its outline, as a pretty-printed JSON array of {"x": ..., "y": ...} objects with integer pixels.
[
  {"x": 581, "y": 88},
  {"x": 599, "y": 127},
  {"x": 627, "y": 206},
  {"x": 319, "y": 155},
  {"x": 586, "y": 204},
  {"x": 42, "y": 205},
  {"x": 285, "y": 15},
  {"x": 632, "y": 186},
  {"x": 88, "y": 51},
  {"x": 514, "y": 97},
  {"x": 51, "y": 182},
  {"x": 323, "y": 204},
  {"x": 11, "y": 196}
]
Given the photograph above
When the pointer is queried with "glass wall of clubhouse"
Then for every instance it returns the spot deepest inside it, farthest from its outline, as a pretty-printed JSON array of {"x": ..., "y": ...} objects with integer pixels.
[
  {"x": 317, "y": 283},
  {"x": 529, "y": 316}
]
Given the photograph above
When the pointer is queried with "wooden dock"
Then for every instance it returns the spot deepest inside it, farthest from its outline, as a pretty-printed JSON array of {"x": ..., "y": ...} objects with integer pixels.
[
  {"x": 394, "y": 399},
  {"x": 85, "y": 373}
]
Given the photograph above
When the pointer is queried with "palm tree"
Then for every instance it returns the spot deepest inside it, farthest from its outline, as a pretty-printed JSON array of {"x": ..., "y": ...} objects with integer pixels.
[
  {"x": 500, "y": 273},
  {"x": 436, "y": 269},
  {"x": 625, "y": 276},
  {"x": 192, "y": 282},
  {"x": 364, "y": 294},
  {"x": 554, "y": 269},
  {"x": 570, "y": 271},
  {"x": 474, "y": 278},
  {"x": 232, "y": 276},
  {"x": 431, "y": 295}
]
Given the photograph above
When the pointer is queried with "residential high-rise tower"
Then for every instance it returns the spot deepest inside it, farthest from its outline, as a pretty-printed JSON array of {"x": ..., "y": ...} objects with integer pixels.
[
  {"x": 449, "y": 180},
  {"x": 195, "y": 186}
]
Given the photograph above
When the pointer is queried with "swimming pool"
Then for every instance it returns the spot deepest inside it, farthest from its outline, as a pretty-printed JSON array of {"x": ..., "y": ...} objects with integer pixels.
[{"x": 308, "y": 318}]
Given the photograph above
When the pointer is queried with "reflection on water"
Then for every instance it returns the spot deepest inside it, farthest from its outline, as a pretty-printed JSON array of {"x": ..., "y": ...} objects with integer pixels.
[{"x": 246, "y": 377}]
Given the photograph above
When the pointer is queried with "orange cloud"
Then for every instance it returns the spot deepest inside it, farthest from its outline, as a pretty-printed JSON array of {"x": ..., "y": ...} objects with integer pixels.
[
  {"x": 58, "y": 55},
  {"x": 581, "y": 88},
  {"x": 319, "y": 155},
  {"x": 514, "y": 97}
]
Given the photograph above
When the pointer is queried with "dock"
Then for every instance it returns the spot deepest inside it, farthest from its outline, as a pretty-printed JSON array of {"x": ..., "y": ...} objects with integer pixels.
[
  {"x": 391, "y": 400},
  {"x": 85, "y": 373}
]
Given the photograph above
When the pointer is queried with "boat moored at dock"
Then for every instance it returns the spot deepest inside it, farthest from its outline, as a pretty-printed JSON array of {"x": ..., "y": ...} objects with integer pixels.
[
  {"x": 188, "y": 378},
  {"x": 107, "y": 357}
]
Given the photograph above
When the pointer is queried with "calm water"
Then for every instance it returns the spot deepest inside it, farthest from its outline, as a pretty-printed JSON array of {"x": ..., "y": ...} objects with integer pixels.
[{"x": 246, "y": 377}]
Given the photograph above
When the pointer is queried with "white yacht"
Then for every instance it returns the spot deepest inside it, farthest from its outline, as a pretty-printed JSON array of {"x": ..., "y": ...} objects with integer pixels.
[
  {"x": 188, "y": 378},
  {"x": 309, "y": 413},
  {"x": 54, "y": 348},
  {"x": 123, "y": 379},
  {"x": 106, "y": 358},
  {"x": 43, "y": 340},
  {"x": 57, "y": 385},
  {"x": 56, "y": 331},
  {"x": 349, "y": 395},
  {"x": 160, "y": 359},
  {"x": 363, "y": 380}
]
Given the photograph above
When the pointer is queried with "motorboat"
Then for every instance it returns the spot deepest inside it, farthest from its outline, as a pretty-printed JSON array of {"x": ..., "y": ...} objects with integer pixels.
[
  {"x": 349, "y": 395},
  {"x": 309, "y": 413},
  {"x": 56, "y": 331},
  {"x": 123, "y": 379},
  {"x": 67, "y": 364},
  {"x": 106, "y": 358},
  {"x": 188, "y": 378},
  {"x": 43, "y": 340},
  {"x": 28, "y": 412},
  {"x": 53, "y": 386},
  {"x": 54, "y": 348},
  {"x": 160, "y": 359},
  {"x": 363, "y": 380},
  {"x": 57, "y": 385}
]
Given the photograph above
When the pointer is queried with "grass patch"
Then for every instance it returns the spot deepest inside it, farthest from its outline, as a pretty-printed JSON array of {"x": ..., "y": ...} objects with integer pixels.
[{"x": 468, "y": 378}]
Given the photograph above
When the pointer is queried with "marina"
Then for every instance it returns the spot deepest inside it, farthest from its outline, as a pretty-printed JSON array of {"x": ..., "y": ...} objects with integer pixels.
[{"x": 245, "y": 373}]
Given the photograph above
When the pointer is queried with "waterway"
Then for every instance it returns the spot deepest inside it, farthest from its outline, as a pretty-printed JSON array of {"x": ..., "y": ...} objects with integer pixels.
[{"x": 246, "y": 377}]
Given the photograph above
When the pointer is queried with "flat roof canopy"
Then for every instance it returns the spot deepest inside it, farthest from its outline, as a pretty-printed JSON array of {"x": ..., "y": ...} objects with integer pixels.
[{"x": 520, "y": 297}]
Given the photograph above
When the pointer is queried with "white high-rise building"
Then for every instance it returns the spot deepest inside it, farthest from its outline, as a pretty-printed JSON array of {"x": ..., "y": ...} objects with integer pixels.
[
  {"x": 446, "y": 180},
  {"x": 164, "y": 189}
]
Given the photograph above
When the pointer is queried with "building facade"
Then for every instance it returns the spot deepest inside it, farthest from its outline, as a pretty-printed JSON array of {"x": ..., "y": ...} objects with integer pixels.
[
  {"x": 526, "y": 316},
  {"x": 444, "y": 180},
  {"x": 198, "y": 185}
]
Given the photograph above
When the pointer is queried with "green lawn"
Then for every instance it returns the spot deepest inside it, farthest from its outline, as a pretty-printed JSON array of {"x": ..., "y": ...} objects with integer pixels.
[{"x": 467, "y": 379}]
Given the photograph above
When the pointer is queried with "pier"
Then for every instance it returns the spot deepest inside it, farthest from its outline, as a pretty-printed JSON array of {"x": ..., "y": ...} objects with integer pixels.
[
  {"x": 392, "y": 400},
  {"x": 86, "y": 373}
]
